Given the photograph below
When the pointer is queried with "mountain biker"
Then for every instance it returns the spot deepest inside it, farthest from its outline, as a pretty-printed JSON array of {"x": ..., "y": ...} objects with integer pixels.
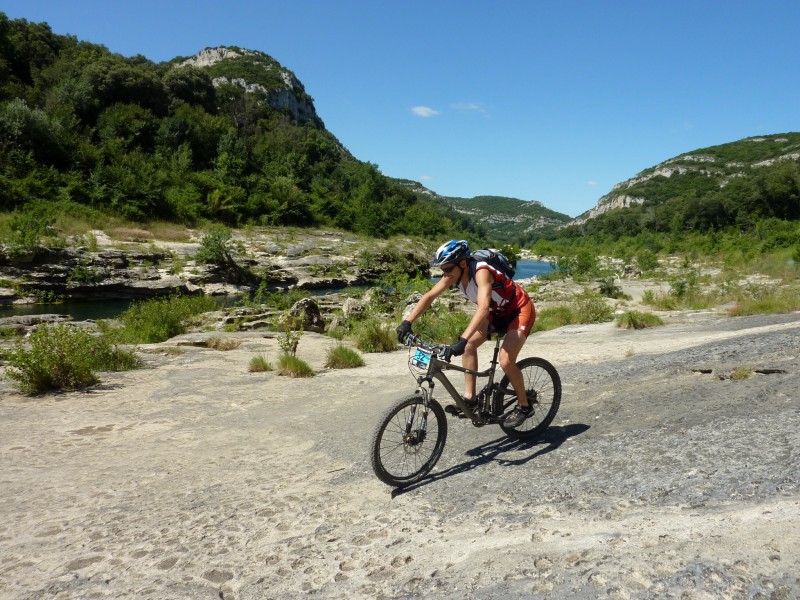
[{"x": 501, "y": 305}]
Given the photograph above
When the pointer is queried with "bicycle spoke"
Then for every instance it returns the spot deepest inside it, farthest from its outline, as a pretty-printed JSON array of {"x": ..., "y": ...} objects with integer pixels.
[{"x": 403, "y": 452}]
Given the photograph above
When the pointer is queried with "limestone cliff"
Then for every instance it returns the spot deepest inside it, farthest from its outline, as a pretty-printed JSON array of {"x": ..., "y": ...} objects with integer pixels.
[{"x": 259, "y": 74}]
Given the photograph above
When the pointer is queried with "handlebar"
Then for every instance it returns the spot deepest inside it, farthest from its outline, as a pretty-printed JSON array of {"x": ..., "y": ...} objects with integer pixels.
[{"x": 414, "y": 340}]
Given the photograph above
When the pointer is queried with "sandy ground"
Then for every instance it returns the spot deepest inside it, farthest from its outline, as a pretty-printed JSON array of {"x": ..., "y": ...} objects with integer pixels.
[{"x": 661, "y": 477}]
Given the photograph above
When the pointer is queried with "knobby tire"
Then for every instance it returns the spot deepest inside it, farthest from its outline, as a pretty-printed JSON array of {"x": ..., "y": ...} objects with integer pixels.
[
  {"x": 398, "y": 460},
  {"x": 542, "y": 378}
]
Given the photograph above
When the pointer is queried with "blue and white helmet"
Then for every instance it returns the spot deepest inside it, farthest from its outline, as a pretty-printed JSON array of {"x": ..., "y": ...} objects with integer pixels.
[{"x": 451, "y": 252}]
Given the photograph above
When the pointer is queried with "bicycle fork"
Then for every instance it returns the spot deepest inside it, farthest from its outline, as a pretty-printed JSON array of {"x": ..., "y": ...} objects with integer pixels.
[{"x": 416, "y": 435}]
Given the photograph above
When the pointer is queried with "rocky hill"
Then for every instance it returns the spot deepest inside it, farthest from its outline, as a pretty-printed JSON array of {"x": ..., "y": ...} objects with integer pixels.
[
  {"x": 698, "y": 172},
  {"x": 259, "y": 74}
]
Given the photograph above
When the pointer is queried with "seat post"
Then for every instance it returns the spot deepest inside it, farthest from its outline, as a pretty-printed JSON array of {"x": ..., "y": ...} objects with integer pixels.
[{"x": 496, "y": 350}]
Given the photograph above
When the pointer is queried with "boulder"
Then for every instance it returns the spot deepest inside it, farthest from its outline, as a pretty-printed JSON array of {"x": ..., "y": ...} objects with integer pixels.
[
  {"x": 307, "y": 316},
  {"x": 352, "y": 308}
]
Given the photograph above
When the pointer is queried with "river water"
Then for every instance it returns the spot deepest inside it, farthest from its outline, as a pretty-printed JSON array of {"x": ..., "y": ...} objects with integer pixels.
[{"x": 108, "y": 309}]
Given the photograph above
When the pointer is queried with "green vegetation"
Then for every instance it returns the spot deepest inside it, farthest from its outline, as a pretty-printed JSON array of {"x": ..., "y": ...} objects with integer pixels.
[
  {"x": 281, "y": 300},
  {"x": 635, "y": 319},
  {"x": 768, "y": 301},
  {"x": 588, "y": 307},
  {"x": 7, "y": 333},
  {"x": 741, "y": 373},
  {"x": 609, "y": 289},
  {"x": 513, "y": 221},
  {"x": 292, "y": 366},
  {"x": 259, "y": 364},
  {"x": 158, "y": 319},
  {"x": 736, "y": 202},
  {"x": 84, "y": 131},
  {"x": 343, "y": 357},
  {"x": 374, "y": 335},
  {"x": 64, "y": 357},
  {"x": 291, "y": 333},
  {"x": 441, "y": 325}
]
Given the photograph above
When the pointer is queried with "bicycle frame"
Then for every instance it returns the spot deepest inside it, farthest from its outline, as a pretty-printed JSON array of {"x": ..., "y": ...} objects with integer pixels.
[{"x": 436, "y": 371}]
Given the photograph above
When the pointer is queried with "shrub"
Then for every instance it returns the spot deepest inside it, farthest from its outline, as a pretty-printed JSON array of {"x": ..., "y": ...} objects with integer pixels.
[
  {"x": 635, "y": 319},
  {"x": 555, "y": 317},
  {"x": 609, "y": 289},
  {"x": 373, "y": 335},
  {"x": 156, "y": 320},
  {"x": 342, "y": 357},
  {"x": 259, "y": 363},
  {"x": 442, "y": 326},
  {"x": 593, "y": 309},
  {"x": 585, "y": 263},
  {"x": 588, "y": 308},
  {"x": 290, "y": 336},
  {"x": 214, "y": 247},
  {"x": 559, "y": 270},
  {"x": 64, "y": 357},
  {"x": 280, "y": 300},
  {"x": 647, "y": 260},
  {"x": 685, "y": 284},
  {"x": 767, "y": 301},
  {"x": 9, "y": 333},
  {"x": 294, "y": 367}
]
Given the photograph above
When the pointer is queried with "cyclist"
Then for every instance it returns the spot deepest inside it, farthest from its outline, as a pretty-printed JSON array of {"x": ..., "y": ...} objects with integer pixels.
[{"x": 502, "y": 305}]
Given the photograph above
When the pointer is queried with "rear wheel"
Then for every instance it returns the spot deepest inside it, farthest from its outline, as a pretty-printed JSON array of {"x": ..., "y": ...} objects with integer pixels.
[
  {"x": 408, "y": 441},
  {"x": 543, "y": 386}
]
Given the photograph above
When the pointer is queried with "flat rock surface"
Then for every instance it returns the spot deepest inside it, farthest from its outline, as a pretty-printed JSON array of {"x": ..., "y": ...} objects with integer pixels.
[{"x": 661, "y": 477}]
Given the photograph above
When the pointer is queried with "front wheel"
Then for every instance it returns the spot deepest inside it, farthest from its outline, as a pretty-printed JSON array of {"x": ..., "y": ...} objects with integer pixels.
[
  {"x": 543, "y": 386},
  {"x": 407, "y": 442}
]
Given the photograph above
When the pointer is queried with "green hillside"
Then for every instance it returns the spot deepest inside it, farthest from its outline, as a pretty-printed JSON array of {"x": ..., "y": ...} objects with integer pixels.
[
  {"x": 739, "y": 200},
  {"x": 730, "y": 185},
  {"x": 499, "y": 219},
  {"x": 228, "y": 135}
]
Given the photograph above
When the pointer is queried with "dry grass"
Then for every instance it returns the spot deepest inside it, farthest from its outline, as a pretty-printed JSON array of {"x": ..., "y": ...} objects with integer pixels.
[{"x": 219, "y": 343}]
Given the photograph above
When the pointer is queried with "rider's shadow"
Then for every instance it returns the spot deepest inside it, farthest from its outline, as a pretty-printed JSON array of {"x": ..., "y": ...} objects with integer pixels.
[{"x": 492, "y": 452}]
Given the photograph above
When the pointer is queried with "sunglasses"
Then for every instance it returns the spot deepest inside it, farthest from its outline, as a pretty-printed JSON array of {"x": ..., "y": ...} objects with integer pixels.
[{"x": 448, "y": 270}]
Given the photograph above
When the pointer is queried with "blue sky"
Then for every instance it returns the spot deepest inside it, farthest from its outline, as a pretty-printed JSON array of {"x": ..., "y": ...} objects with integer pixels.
[{"x": 551, "y": 101}]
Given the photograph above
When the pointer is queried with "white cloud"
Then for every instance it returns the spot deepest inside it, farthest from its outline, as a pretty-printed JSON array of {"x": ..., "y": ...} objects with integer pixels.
[
  {"x": 424, "y": 111},
  {"x": 591, "y": 183},
  {"x": 469, "y": 107},
  {"x": 425, "y": 178}
]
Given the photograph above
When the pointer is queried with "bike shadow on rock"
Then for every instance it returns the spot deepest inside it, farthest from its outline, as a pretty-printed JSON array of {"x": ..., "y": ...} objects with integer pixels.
[{"x": 492, "y": 451}]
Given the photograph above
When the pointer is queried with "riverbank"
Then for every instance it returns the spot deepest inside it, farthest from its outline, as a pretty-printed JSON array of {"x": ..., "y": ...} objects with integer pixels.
[{"x": 281, "y": 259}]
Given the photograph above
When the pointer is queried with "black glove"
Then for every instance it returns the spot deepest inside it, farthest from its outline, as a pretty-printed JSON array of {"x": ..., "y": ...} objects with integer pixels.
[
  {"x": 455, "y": 349},
  {"x": 403, "y": 331}
]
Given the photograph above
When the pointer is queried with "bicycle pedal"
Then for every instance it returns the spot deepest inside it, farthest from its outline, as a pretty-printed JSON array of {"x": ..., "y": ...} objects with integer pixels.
[{"x": 453, "y": 410}]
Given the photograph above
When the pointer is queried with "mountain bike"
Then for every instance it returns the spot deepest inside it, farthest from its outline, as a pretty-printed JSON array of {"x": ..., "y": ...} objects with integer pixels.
[{"x": 410, "y": 436}]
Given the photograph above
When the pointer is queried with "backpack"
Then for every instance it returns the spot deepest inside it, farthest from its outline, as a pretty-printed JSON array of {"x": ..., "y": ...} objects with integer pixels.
[{"x": 496, "y": 260}]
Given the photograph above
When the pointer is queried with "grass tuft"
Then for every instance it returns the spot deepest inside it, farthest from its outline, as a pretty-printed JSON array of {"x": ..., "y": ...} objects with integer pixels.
[
  {"x": 259, "y": 364},
  {"x": 767, "y": 301},
  {"x": 741, "y": 373},
  {"x": 218, "y": 343},
  {"x": 373, "y": 335},
  {"x": 291, "y": 366},
  {"x": 342, "y": 357},
  {"x": 635, "y": 319}
]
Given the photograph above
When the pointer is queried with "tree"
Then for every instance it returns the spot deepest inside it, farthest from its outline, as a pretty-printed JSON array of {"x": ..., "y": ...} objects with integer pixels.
[{"x": 192, "y": 86}]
